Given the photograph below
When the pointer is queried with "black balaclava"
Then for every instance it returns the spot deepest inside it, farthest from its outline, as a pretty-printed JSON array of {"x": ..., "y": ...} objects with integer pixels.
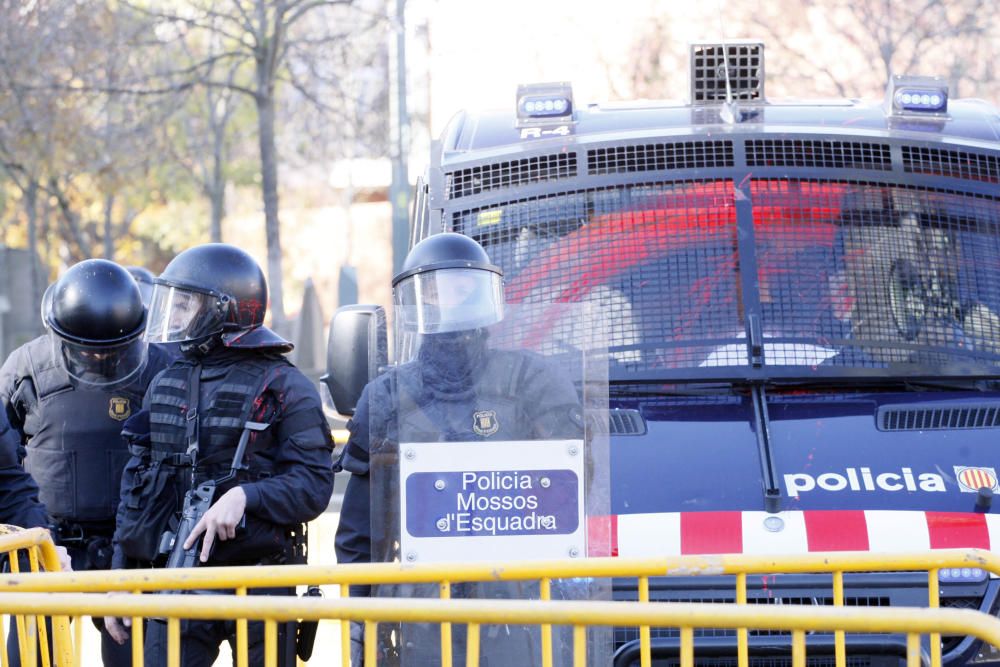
[{"x": 451, "y": 362}]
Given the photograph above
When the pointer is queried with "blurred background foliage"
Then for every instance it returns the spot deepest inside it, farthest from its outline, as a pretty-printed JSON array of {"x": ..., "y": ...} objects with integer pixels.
[{"x": 132, "y": 129}]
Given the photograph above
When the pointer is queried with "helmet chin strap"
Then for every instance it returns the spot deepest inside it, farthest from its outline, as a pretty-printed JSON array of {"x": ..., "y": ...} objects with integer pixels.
[{"x": 201, "y": 346}]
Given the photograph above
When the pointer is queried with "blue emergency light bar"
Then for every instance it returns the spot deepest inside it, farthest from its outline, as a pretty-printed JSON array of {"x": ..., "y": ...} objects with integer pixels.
[
  {"x": 544, "y": 106},
  {"x": 540, "y": 102},
  {"x": 961, "y": 574},
  {"x": 917, "y": 95},
  {"x": 921, "y": 100}
]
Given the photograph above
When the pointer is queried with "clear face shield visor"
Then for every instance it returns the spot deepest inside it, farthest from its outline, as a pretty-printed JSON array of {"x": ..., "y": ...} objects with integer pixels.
[
  {"x": 146, "y": 290},
  {"x": 100, "y": 366},
  {"x": 177, "y": 315},
  {"x": 446, "y": 300}
]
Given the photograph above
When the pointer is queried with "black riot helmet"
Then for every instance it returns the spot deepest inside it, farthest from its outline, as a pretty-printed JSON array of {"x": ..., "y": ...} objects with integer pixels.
[
  {"x": 447, "y": 284},
  {"x": 211, "y": 293},
  {"x": 95, "y": 317},
  {"x": 144, "y": 278}
]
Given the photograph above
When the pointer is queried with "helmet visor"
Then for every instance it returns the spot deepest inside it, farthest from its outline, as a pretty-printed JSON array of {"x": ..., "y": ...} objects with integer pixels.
[
  {"x": 146, "y": 290},
  {"x": 100, "y": 366},
  {"x": 446, "y": 300},
  {"x": 177, "y": 315}
]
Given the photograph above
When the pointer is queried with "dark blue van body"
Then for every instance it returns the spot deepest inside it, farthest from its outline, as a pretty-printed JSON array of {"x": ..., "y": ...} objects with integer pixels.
[{"x": 801, "y": 313}]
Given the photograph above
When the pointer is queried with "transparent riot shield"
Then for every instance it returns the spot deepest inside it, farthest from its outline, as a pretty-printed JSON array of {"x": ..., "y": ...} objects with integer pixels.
[{"x": 491, "y": 445}]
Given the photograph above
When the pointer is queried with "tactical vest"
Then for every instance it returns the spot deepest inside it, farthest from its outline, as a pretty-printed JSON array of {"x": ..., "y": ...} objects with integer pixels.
[
  {"x": 487, "y": 410},
  {"x": 74, "y": 448},
  {"x": 228, "y": 396}
]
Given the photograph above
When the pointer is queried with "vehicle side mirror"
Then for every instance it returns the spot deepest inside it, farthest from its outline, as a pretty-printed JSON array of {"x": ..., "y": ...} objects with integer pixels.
[{"x": 356, "y": 349}]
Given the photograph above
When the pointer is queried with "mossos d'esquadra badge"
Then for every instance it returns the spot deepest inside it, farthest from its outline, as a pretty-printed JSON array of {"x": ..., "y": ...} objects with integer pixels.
[
  {"x": 484, "y": 422},
  {"x": 119, "y": 409}
]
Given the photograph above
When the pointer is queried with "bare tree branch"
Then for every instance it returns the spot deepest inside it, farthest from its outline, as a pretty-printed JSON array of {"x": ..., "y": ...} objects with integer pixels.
[
  {"x": 299, "y": 8},
  {"x": 245, "y": 20}
]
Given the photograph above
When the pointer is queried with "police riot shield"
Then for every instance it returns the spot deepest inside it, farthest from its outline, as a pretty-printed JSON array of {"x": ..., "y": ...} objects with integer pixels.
[{"x": 491, "y": 444}]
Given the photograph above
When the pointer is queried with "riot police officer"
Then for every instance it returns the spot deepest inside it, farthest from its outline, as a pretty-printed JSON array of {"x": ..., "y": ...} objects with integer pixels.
[
  {"x": 446, "y": 297},
  {"x": 211, "y": 300},
  {"x": 67, "y": 393},
  {"x": 19, "y": 503}
]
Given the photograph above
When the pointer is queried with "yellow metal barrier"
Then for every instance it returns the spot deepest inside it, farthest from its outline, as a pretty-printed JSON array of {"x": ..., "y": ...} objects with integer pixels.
[
  {"x": 240, "y": 579},
  {"x": 798, "y": 620},
  {"x": 393, "y": 573},
  {"x": 32, "y": 633}
]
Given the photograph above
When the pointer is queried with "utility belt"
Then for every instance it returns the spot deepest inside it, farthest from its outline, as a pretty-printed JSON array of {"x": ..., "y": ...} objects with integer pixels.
[
  {"x": 69, "y": 533},
  {"x": 89, "y": 543},
  {"x": 182, "y": 463},
  {"x": 204, "y": 474},
  {"x": 156, "y": 456}
]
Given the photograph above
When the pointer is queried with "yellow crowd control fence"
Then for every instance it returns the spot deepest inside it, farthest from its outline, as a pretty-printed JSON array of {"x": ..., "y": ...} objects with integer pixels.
[
  {"x": 242, "y": 579},
  {"x": 913, "y": 622},
  {"x": 32, "y": 634}
]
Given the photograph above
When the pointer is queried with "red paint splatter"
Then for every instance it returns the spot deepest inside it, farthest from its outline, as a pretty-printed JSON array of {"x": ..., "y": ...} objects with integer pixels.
[
  {"x": 609, "y": 245},
  {"x": 250, "y": 311}
]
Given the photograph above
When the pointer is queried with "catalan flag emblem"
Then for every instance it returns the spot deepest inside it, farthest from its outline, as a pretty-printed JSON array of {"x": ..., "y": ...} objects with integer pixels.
[{"x": 970, "y": 479}]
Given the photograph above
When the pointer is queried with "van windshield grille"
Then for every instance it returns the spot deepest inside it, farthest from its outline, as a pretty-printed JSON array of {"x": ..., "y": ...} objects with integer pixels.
[{"x": 697, "y": 276}]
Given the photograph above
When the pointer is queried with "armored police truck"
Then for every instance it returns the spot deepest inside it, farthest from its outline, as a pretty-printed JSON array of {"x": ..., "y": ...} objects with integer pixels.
[{"x": 800, "y": 310}]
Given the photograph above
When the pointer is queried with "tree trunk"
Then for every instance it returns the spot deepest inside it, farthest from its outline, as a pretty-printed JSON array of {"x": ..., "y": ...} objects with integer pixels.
[
  {"x": 71, "y": 222},
  {"x": 217, "y": 186},
  {"x": 45, "y": 249},
  {"x": 269, "y": 178},
  {"x": 109, "y": 233},
  {"x": 217, "y": 198},
  {"x": 31, "y": 209}
]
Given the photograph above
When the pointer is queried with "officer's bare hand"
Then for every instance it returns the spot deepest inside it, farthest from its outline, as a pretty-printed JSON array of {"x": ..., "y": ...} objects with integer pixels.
[
  {"x": 117, "y": 628},
  {"x": 219, "y": 521}
]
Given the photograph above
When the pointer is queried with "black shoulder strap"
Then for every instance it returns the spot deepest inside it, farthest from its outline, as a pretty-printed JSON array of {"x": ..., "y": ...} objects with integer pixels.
[{"x": 191, "y": 425}]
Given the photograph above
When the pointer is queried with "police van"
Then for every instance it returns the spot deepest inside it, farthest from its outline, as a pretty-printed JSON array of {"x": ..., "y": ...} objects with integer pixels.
[{"x": 801, "y": 312}]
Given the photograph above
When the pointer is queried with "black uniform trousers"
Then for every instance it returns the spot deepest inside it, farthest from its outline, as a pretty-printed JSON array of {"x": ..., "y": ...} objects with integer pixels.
[{"x": 200, "y": 640}]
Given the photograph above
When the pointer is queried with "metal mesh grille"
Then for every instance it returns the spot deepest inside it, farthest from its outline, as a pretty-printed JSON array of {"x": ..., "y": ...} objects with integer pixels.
[
  {"x": 950, "y": 642},
  {"x": 745, "y": 64},
  {"x": 620, "y": 422},
  {"x": 876, "y": 274},
  {"x": 958, "y": 164},
  {"x": 658, "y": 260},
  {"x": 922, "y": 419},
  {"x": 660, "y": 157},
  {"x": 757, "y": 661},
  {"x": 827, "y": 154},
  {"x": 849, "y": 274},
  {"x": 771, "y": 592},
  {"x": 626, "y": 634},
  {"x": 472, "y": 181}
]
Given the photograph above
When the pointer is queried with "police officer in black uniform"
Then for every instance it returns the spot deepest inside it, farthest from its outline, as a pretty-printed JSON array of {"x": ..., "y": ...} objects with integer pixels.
[
  {"x": 447, "y": 294},
  {"x": 211, "y": 299},
  {"x": 67, "y": 394},
  {"x": 19, "y": 504}
]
